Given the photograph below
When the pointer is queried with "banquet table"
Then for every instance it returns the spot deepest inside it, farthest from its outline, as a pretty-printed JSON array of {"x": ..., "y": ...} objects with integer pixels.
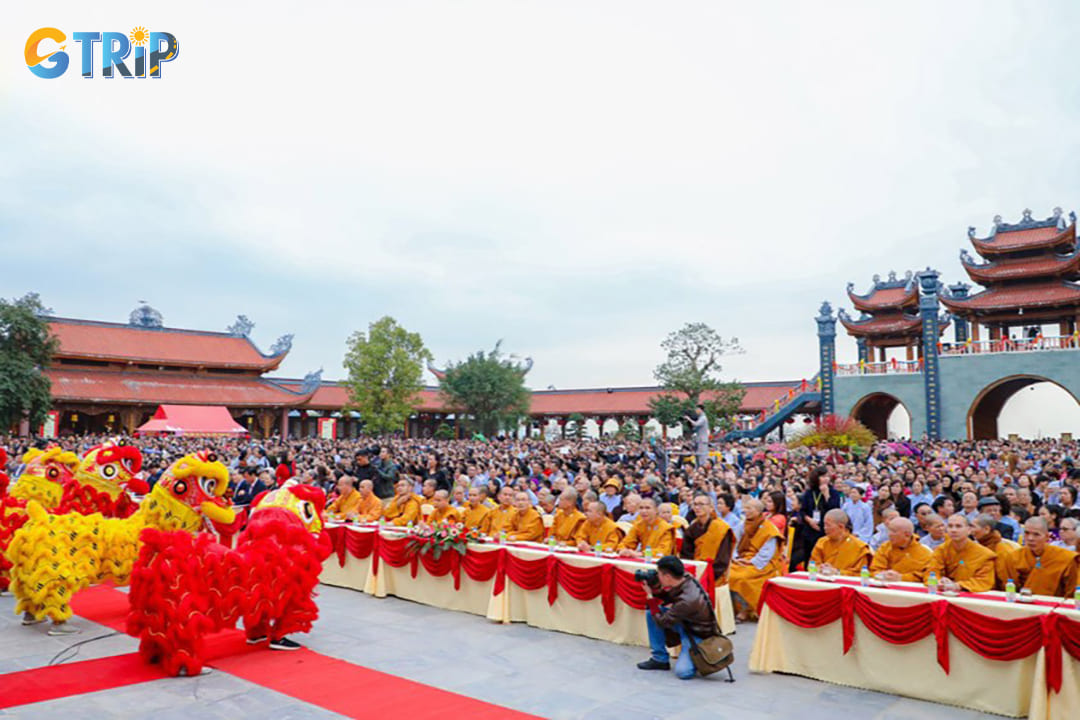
[
  {"x": 971, "y": 650},
  {"x": 561, "y": 589}
]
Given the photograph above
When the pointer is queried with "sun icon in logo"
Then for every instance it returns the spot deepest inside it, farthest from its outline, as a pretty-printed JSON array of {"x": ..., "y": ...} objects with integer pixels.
[{"x": 139, "y": 36}]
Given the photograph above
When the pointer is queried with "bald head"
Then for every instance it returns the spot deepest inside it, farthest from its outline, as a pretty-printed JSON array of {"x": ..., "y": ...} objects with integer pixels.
[
  {"x": 836, "y": 524},
  {"x": 752, "y": 508},
  {"x": 901, "y": 530},
  {"x": 568, "y": 500},
  {"x": 1036, "y": 534}
]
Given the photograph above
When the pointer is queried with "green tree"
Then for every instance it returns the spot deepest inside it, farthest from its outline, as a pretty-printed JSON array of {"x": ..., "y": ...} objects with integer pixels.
[
  {"x": 488, "y": 387},
  {"x": 444, "y": 432},
  {"x": 385, "y": 374},
  {"x": 25, "y": 349},
  {"x": 630, "y": 430},
  {"x": 690, "y": 376},
  {"x": 575, "y": 426}
]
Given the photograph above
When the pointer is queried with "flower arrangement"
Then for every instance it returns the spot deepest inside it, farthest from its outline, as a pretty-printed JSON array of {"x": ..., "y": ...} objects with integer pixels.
[
  {"x": 440, "y": 537},
  {"x": 834, "y": 432}
]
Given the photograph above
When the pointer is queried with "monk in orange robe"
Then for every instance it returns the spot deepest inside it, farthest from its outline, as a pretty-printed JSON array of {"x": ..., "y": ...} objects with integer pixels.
[
  {"x": 567, "y": 518},
  {"x": 648, "y": 531},
  {"x": 1041, "y": 567},
  {"x": 476, "y": 512},
  {"x": 345, "y": 505},
  {"x": 526, "y": 525},
  {"x": 403, "y": 508},
  {"x": 504, "y": 512},
  {"x": 840, "y": 552},
  {"x": 984, "y": 531},
  {"x": 757, "y": 559},
  {"x": 597, "y": 528},
  {"x": 708, "y": 539},
  {"x": 962, "y": 563},
  {"x": 902, "y": 558},
  {"x": 444, "y": 512}
]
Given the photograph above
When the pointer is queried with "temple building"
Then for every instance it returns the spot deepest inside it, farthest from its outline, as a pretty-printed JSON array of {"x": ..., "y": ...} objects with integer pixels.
[{"x": 889, "y": 317}]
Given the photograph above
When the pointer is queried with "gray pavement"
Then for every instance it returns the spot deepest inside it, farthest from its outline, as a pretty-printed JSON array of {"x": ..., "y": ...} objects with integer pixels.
[{"x": 537, "y": 671}]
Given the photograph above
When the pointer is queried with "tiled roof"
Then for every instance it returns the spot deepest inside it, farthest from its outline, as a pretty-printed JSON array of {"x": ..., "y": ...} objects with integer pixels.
[
  {"x": 1020, "y": 268},
  {"x": 895, "y": 324},
  {"x": 1019, "y": 296},
  {"x": 155, "y": 388},
  {"x": 1028, "y": 239},
  {"x": 163, "y": 346},
  {"x": 886, "y": 298}
]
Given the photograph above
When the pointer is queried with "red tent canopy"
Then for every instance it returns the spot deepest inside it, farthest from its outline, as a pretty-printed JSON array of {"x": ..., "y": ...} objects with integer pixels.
[{"x": 191, "y": 420}]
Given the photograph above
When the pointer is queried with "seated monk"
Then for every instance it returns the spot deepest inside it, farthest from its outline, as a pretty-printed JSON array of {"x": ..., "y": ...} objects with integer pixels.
[
  {"x": 648, "y": 531},
  {"x": 840, "y": 552},
  {"x": 526, "y": 525},
  {"x": 370, "y": 507},
  {"x": 1041, "y": 567},
  {"x": 345, "y": 505},
  {"x": 984, "y": 530},
  {"x": 567, "y": 518},
  {"x": 757, "y": 559},
  {"x": 597, "y": 528},
  {"x": 960, "y": 562},
  {"x": 901, "y": 558},
  {"x": 503, "y": 513},
  {"x": 403, "y": 508},
  {"x": 708, "y": 539},
  {"x": 444, "y": 512},
  {"x": 476, "y": 514}
]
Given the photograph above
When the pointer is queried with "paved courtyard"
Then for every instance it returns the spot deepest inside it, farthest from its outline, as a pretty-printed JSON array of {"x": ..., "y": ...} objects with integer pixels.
[{"x": 537, "y": 671}]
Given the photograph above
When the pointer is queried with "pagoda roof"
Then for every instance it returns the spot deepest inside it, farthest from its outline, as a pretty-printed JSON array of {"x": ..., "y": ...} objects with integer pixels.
[
  {"x": 1030, "y": 295},
  {"x": 125, "y": 343},
  {"x": 1028, "y": 234},
  {"x": 1012, "y": 268},
  {"x": 891, "y": 294},
  {"x": 898, "y": 324},
  {"x": 176, "y": 388}
]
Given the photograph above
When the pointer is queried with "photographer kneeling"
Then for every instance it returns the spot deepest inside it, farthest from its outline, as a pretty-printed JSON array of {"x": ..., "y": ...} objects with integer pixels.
[{"x": 679, "y": 613}]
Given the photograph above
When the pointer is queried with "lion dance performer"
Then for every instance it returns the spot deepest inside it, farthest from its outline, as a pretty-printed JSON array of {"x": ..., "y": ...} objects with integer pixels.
[
  {"x": 184, "y": 587},
  {"x": 55, "y": 556}
]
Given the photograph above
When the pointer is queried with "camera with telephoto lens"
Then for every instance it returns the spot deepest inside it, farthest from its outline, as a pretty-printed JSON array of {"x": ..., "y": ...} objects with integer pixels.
[{"x": 647, "y": 576}]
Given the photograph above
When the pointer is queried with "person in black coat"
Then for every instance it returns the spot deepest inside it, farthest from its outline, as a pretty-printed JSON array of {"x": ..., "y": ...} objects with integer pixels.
[{"x": 819, "y": 498}]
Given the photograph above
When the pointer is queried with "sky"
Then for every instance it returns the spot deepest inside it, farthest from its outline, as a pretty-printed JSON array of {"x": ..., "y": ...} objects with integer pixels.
[{"x": 576, "y": 178}]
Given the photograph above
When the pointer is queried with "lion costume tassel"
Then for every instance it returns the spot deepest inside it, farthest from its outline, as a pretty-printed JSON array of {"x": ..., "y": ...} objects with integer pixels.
[{"x": 184, "y": 587}]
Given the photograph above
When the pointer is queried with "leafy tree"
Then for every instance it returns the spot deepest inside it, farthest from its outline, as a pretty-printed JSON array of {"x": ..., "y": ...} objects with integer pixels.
[
  {"x": 575, "y": 426},
  {"x": 25, "y": 349},
  {"x": 444, "y": 432},
  {"x": 630, "y": 430},
  {"x": 385, "y": 373},
  {"x": 490, "y": 388},
  {"x": 690, "y": 376}
]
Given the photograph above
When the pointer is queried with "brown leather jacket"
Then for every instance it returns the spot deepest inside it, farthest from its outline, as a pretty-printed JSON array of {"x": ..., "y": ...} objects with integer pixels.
[{"x": 688, "y": 605}]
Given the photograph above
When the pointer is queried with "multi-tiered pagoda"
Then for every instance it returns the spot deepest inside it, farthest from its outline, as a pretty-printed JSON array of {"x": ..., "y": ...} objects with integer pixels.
[
  {"x": 1028, "y": 274},
  {"x": 888, "y": 317}
]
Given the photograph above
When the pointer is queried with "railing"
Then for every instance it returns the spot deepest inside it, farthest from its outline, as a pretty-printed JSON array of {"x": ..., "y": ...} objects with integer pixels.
[
  {"x": 780, "y": 405},
  {"x": 889, "y": 367},
  {"x": 1006, "y": 345}
]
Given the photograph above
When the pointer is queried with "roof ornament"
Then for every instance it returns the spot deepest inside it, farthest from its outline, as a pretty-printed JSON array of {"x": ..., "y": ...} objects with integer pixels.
[
  {"x": 876, "y": 279},
  {"x": 965, "y": 257},
  {"x": 892, "y": 276},
  {"x": 826, "y": 310},
  {"x": 145, "y": 316},
  {"x": 312, "y": 381},
  {"x": 1026, "y": 217},
  {"x": 1059, "y": 218},
  {"x": 971, "y": 231},
  {"x": 1072, "y": 217},
  {"x": 843, "y": 315},
  {"x": 851, "y": 287},
  {"x": 241, "y": 328},
  {"x": 282, "y": 345}
]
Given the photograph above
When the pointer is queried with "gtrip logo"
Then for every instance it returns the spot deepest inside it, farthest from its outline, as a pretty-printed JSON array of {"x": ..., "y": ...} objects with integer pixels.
[{"x": 46, "y": 56}]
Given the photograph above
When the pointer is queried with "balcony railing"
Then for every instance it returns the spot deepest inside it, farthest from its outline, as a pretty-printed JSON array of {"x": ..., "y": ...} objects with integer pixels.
[
  {"x": 889, "y": 367},
  {"x": 1008, "y": 345}
]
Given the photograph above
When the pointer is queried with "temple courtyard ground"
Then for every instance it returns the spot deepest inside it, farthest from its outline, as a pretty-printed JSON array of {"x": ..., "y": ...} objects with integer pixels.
[{"x": 548, "y": 674}]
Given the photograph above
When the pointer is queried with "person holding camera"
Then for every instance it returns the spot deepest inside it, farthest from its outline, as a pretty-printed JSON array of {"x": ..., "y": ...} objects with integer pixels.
[
  {"x": 699, "y": 424},
  {"x": 679, "y": 613}
]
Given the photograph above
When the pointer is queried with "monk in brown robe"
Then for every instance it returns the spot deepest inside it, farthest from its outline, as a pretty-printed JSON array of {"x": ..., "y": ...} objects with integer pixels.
[
  {"x": 443, "y": 512},
  {"x": 597, "y": 528},
  {"x": 403, "y": 508},
  {"x": 567, "y": 518},
  {"x": 648, "y": 531},
  {"x": 708, "y": 539},
  {"x": 757, "y": 559},
  {"x": 840, "y": 552},
  {"x": 476, "y": 514},
  {"x": 503, "y": 513},
  {"x": 1041, "y": 567},
  {"x": 526, "y": 525},
  {"x": 960, "y": 562},
  {"x": 984, "y": 532},
  {"x": 902, "y": 558}
]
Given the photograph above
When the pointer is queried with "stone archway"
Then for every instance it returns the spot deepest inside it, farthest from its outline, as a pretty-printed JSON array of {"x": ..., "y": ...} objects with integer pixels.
[
  {"x": 874, "y": 410},
  {"x": 982, "y": 417}
]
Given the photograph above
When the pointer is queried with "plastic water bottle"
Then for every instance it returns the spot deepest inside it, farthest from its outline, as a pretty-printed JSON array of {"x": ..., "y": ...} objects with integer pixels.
[
  {"x": 502, "y": 537},
  {"x": 598, "y": 549},
  {"x": 1076, "y": 597},
  {"x": 1010, "y": 591},
  {"x": 382, "y": 521},
  {"x": 551, "y": 542},
  {"x": 931, "y": 583},
  {"x": 864, "y": 576},
  {"x": 409, "y": 527},
  {"x": 812, "y": 569},
  {"x": 648, "y": 554}
]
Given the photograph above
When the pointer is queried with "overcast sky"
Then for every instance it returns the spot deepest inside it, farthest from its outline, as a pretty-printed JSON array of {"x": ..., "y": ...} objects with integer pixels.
[{"x": 576, "y": 178}]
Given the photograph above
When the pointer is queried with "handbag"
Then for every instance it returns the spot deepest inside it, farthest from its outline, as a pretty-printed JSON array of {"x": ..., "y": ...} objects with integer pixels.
[{"x": 712, "y": 654}]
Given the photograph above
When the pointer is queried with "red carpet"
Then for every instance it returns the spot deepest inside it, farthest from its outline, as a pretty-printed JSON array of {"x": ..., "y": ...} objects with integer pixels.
[{"x": 306, "y": 675}]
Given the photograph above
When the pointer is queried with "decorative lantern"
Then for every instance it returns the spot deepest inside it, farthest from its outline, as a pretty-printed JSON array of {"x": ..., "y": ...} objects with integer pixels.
[{"x": 74, "y": 417}]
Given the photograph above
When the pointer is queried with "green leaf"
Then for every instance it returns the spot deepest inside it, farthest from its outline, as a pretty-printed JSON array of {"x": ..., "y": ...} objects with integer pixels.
[{"x": 488, "y": 389}]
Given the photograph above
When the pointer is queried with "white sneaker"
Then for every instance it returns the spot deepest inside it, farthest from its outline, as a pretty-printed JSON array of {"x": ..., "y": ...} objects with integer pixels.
[{"x": 60, "y": 629}]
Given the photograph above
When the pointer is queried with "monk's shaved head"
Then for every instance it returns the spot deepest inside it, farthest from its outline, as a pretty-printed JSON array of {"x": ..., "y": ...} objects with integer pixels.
[
  {"x": 902, "y": 525},
  {"x": 985, "y": 521},
  {"x": 837, "y": 516},
  {"x": 1036, "y": 523}
]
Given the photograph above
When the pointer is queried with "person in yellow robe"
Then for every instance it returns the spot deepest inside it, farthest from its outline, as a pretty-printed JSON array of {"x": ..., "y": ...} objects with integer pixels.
[
  {"x": 984, "y": 531},
  {"x": 370, "y": 507},
  {"x": 503, "y": 513},
  {"x": 960, "y": 562},
  {"x": 757, "y": 559},
  {"x": 1041, "y": 567},
  {"x": 901, "y": 558},
  {"x": 443, "y": 511},
  {"x": 840, "y": 552},
  {"x": 476, "y": 514},
  {"x": 526, "y": 525},
  {"x": 567, "y": 518},
  {"x": 648, "y": 531},
  {"x": 403, "y": 508},
  {"x": 708, "y": 539},
  {"x": 346, "y": 504},
  {"x": 597, "y": 528}
]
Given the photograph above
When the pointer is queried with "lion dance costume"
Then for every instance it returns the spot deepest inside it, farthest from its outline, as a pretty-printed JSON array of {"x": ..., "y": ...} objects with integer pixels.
[
  {"x": 184, "y": 587},
  {"x": 54, "y": 556}
]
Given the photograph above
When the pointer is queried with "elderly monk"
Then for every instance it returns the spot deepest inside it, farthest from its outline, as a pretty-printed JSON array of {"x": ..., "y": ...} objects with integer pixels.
[
  {"x": 503, "y": 513},
  {"x": 597, "y": 528},
  {"x": 1039, "y": 566},
  {"x": 444, "y": 512},
  {"x": 370, "y": 507},
  {"x": 983, "y": 529},
  {"x": 648, "y": 531},
  {"x": 526, "y": 525},
  {"x": 757, "y": 558},
  {"x": 348, "y": 500},
  {"x": 840, "y": 552},
  {"x": 901, "y": 557},
  {"x": 476, "y": 514},
  {"x": 404, "y": 507},
  {"x": 708, "y": 539},
  {"x": 567, "y": 518},
  {"x": 962, "y": 563}
]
